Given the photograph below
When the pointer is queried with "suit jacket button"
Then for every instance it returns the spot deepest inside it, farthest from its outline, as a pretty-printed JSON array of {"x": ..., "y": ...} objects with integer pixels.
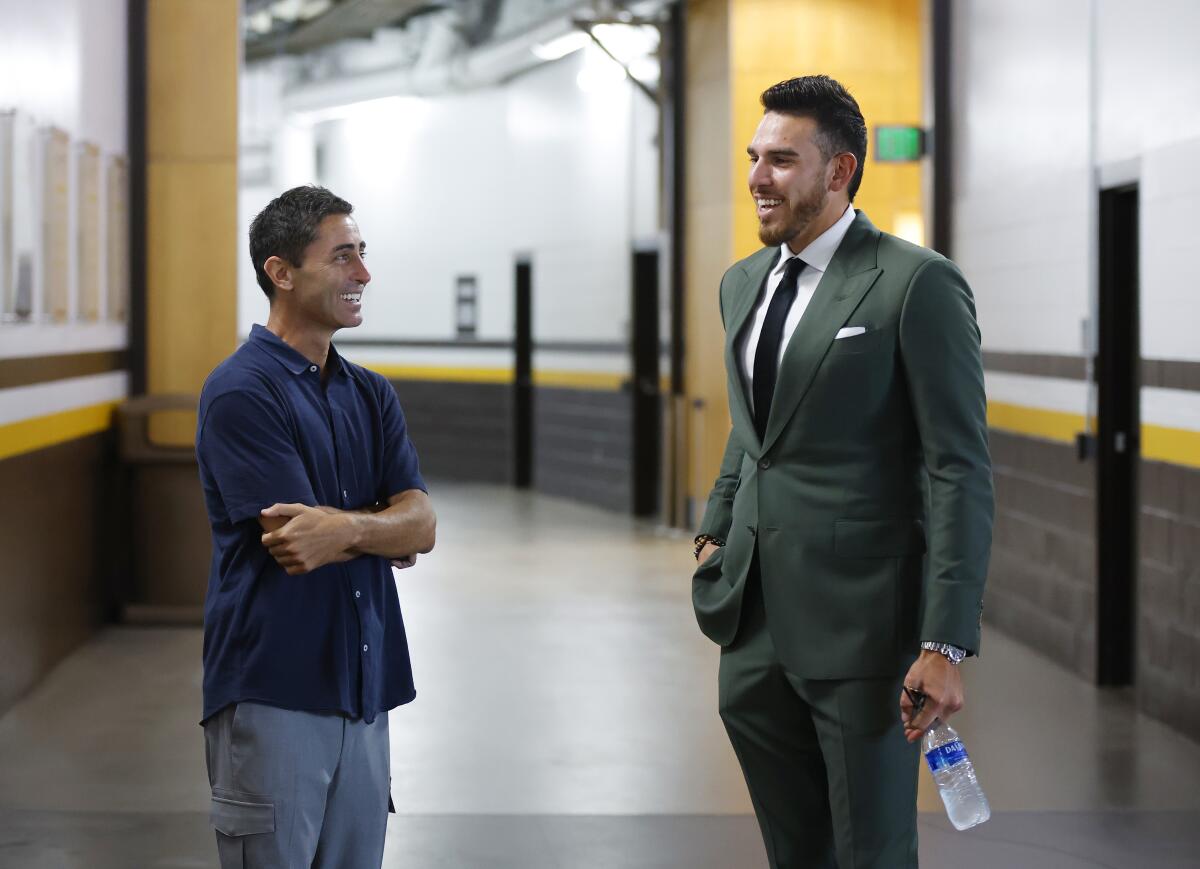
[
  {"x": 763, "y": 464},
  {"x": 753, "y": 530}
]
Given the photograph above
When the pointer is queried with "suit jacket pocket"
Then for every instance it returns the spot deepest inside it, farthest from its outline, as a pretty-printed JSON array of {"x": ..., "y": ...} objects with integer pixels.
[
  {"x": 877, "y": 538},
  {"x": 710, "y": 568},
  {"x": 869, "y": 342}
]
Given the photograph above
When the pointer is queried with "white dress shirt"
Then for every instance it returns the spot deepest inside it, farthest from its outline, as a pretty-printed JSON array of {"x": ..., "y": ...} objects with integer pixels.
[{"x": 817, "y": 257}]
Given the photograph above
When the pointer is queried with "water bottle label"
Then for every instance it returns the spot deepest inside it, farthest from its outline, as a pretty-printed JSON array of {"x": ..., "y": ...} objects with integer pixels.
[{"x": 945, "y": 755}]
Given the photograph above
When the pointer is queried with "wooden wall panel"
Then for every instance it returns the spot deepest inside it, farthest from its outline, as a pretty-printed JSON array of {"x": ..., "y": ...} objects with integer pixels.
[{"x": 192, "y": 242}]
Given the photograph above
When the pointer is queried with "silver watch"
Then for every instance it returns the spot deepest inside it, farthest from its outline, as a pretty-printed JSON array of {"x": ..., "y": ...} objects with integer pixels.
[{"x": 953, "y": 654}]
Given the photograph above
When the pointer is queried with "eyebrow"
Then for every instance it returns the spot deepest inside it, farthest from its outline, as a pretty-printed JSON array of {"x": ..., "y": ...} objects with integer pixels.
[
  {"x": 362, "y": 245},
  {"x": 775, "y": 152}
]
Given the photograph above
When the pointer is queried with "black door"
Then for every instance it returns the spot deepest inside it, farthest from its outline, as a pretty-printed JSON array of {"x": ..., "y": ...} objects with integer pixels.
[
  {"x": 647, "y": 400},
  {"x": 523, "y": 375},
  {"x": 1118, "y": 378}
]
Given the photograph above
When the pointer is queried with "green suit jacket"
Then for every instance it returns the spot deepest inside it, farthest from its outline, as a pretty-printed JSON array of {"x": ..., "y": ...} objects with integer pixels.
[{"x": 869, "y": 500}]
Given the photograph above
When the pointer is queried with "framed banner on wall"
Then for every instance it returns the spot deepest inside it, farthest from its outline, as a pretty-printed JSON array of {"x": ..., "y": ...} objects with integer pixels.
[{"x": 20, "y": 254}]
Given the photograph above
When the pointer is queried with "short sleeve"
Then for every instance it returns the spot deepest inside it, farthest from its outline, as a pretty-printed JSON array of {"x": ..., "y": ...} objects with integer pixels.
[
  {"x": 247, "y": 452},
  {"x": 401, "y": 471}
]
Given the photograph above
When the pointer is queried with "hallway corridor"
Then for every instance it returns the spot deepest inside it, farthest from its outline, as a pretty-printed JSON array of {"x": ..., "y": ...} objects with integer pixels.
[{"x": 566, "y": 719}]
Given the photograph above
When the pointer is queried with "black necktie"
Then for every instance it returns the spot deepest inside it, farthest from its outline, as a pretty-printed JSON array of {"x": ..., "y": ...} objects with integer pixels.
[{"x": 766, "y": 357}]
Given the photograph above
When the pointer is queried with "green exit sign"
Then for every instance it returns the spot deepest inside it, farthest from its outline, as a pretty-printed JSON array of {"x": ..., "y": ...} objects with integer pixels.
[{"x": 894, "y": 144}]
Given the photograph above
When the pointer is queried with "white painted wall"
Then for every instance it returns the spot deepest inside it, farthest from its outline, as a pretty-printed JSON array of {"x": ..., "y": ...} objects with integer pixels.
[
  {"x": 459, "y": 184},
  {"x": 63, "y": 64},
  {"x": 64, "y": 61},
  {"x": 1021, "y": 230}
]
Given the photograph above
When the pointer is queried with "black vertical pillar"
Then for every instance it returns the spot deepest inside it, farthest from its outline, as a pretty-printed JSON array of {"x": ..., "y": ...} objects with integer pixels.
[
  {"x": 523, "y": 375},
  {"x": 136, "y": 73},
  {"x": 941, "y": 233},
  {"x": 673, "y": 164},
  {"x": 1118, "y": 437}
]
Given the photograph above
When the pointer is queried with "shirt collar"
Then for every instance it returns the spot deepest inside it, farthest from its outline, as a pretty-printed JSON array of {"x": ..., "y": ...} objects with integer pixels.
[
  {"x": 821, "y": 249},
  {"x": 288, "y": 356}
]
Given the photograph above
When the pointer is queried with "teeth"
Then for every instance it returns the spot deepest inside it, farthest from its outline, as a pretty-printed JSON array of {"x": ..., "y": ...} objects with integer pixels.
[
  {"x": 767, "y": 203},
  {"x": 351, "y": 297}
]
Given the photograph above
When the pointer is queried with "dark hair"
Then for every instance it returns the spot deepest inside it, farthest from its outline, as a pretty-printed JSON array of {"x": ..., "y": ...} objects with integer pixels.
[
  {"x": 840, "y": 124},
  {"x": 288, "y": 225}
]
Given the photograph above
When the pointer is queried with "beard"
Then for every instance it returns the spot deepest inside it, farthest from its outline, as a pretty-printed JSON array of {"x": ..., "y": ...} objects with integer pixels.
[{"x": 799, "y": 215}]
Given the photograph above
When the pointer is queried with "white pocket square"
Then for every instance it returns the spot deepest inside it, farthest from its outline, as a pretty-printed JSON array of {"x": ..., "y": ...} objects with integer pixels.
[{"x": 850, "y": 332}]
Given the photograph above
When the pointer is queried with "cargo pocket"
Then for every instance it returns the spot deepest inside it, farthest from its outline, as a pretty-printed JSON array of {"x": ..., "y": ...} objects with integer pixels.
[{"x": 236, "y": 815}]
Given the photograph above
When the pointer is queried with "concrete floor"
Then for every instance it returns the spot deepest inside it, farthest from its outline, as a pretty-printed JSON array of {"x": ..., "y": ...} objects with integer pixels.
[{"x": 566, "y": 718}]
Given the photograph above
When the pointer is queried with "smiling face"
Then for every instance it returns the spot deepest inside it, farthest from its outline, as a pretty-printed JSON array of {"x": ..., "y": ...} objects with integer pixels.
[
  {"x": 327, "y": 287},
  {"x": 795, "y": 188}
]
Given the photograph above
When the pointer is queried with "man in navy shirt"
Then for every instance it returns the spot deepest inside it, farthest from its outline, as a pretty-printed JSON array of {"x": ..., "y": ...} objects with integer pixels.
[{"x": 313, "y": 491}]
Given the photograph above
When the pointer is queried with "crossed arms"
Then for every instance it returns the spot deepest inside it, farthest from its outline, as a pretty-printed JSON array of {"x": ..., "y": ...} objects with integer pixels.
[{"x": 303, "y": 538}]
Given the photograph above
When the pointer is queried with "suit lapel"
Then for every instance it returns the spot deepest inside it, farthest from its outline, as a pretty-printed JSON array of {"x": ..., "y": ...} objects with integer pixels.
[
  {"x": 742, "y": 305},
  {"x": 851, "y": 273}
]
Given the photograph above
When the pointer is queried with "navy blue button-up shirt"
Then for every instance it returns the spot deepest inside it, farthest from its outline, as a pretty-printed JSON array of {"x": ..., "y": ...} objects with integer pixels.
[{"x": 331, "y": 640}]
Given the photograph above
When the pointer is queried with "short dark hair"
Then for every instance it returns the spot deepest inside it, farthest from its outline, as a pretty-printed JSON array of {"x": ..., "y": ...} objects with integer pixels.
[
  {"x": 840, "y": 123},
  {"x": 288, "y": 225}
]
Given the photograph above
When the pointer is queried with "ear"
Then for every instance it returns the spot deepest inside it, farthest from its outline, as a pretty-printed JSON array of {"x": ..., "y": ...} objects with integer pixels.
[
  {"x": 280, "y": 272},
  {"x": 843, "y": 167}
]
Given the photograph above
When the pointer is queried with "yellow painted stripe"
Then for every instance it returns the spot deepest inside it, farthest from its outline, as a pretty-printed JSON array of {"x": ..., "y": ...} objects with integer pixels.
[
  {"x": 1055, "y": 425},
  {"x": 1175, "y": 445},
  {"x": 55, "y": 428},
  {"x": 1159, "y": 443},
  {"x": 596, "y": 380},
  {"x": 442, "y": 372}
]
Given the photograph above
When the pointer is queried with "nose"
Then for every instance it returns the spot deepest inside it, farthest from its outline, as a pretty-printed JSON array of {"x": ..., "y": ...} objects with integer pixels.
[
  {"x": 759, "y": 174},
  {"x": 361, "y": 274}
]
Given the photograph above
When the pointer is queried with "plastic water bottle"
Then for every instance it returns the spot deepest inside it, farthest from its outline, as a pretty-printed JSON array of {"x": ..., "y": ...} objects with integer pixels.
[{"x": 955, "y": 777}]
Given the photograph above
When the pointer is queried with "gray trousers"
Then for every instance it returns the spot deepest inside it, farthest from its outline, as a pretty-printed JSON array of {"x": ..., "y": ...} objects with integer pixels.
[{"x": 294, "y": 790}]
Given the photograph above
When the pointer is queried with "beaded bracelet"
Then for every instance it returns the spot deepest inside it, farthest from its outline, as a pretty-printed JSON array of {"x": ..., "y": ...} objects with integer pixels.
[{"x": 703, "y": 540}]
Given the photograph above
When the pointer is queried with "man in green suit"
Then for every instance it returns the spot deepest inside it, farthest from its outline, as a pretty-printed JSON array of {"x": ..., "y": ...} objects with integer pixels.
[{"x": 845, "y": 543}]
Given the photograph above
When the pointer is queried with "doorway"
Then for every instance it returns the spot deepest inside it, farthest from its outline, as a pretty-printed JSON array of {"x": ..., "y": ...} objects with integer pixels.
[{"x": 1118, "y": 378}]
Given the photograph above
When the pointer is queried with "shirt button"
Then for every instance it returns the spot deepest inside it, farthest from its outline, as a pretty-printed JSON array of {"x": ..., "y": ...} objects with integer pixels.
[
  {"x": 764, "y": 464},
  {"x": 345, "y": 495},
  {"x": 313, "y": 369},
  {"x": 365, "y": 647},
  {"x": 358, "y": 594}
]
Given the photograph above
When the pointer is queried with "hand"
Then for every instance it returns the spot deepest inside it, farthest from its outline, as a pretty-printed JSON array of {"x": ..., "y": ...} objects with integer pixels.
[
  {"x": 706, "y": 552},
  {"x": 311, "y": 538},
  {"x": 933, "y": 675}
]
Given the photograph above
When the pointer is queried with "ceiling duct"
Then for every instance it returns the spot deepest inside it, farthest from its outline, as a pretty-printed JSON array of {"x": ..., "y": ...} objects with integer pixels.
[
  {"x": 438, "y": 73},
  {"x": 345, "y": 19}
]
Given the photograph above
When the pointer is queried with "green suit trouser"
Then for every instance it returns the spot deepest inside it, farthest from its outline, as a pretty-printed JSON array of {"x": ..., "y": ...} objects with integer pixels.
[{"x": 831, "y": 777}]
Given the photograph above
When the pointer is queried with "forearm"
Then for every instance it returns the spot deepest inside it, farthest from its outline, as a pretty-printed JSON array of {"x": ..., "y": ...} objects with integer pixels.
[{"x": 406, "y": 526}]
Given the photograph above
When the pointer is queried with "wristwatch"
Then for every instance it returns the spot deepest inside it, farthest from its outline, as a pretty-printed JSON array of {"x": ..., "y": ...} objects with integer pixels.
[{"x": 953, "y": 654}]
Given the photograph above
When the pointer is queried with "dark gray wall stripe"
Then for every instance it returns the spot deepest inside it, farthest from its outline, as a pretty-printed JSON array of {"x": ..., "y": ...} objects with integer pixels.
[
  {"x": 1037, "y": 365},
  {"x": 1171, "y": 374},
  {"x": 31, "y": 370},
  {"x": 1159, "y": 373},
  {"x": 583, "y": 446},
  {"x": 462, "y": 431},
  {"x": 64, "y": 592}
]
